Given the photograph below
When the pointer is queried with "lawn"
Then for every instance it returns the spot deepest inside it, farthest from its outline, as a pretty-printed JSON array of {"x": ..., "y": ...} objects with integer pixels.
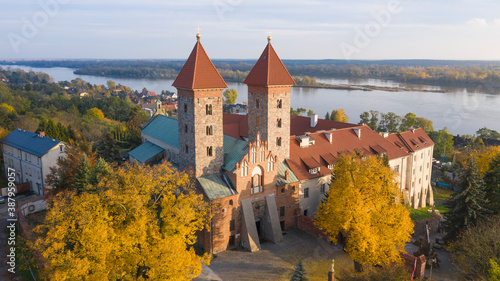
[{"x": 441, "y": 194}]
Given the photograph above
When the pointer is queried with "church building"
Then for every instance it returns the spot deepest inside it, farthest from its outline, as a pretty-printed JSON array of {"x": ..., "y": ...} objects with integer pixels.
[{"x": 261, "y": 170}]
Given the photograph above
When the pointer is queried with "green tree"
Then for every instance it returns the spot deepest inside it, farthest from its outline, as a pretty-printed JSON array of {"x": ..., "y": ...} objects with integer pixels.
[
  {"x": 477, "y": 246},
  {"x": 443, "y": 142},
  {"x": 486, "y": 133},
  {"x": 327, "y": 115},
  {"x": 82, "y": 175},
  {"x": 373, "y": 120},
  {"x": 492, "y": 183},
  {"x": 230, "y": 96},
  {"x": 364, "y": 118},
  {"x": 424, "y": 123},
  {"x": 111, "y": 85},
  {"x": 468, "y": 204},
  {"x": 106, "y": 149},
  {"x": 101, "y": 169},
  {"x": 408, "y": 122},
  {"x": 364, "y": 201},
  {"x": 300, "y": 273},
  {"x": 310, "y": 112},
  {"x": 389, "y": 122}
]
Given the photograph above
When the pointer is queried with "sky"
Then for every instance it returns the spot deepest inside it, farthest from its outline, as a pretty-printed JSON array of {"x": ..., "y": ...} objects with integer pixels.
[{"x": 237, "y": 29}]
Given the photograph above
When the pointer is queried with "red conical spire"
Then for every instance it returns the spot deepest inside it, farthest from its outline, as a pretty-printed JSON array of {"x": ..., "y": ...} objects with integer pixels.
[
  {"x": 269, "y": 70},
  {"x": 199, "y": 72}
]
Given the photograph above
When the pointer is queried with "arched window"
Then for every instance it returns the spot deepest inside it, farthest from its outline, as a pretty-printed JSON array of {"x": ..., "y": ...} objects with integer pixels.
[
  {"x": 262, "y": 154},
  {"x": 209, "y": 151},
  {"x": 278, "y": 141},
  {"x": 208, "y": 108},
  {"x": 244, "y": 169},
  {"x": 254, "y": 155},
  {"x": 280, "y": 103},
  {"x": 231, "y": 202},
  {"x": 257, "y": 180},
  {"x": 270, "y": 163},
  {"x": 279, "y": 123},
  {"x": 209, "y": 130}
]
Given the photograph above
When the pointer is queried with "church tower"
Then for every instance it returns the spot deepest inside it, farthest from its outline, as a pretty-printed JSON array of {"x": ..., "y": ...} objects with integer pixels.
[
  {"x": 199, "y": 87},
  {"x": 269, "y": 86}
]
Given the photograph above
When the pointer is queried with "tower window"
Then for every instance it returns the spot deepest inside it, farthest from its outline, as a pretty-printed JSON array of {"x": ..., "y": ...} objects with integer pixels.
[
  {"x": 280, "y": 103},
  {"x": 187, "y": 148},
  {"x": 278, "y": 141},
  {"x": 209, "y": 109},
  {"x": 279, "y": 123},
  {"x": 210, "y": 130},
  {"x": 257, "y": 121},
  {"x": 257, "y": 103},
  {"x": 185, "y": 128},
  {"x": 185, "y": 107},
  {"x": 209, "y": 151}
]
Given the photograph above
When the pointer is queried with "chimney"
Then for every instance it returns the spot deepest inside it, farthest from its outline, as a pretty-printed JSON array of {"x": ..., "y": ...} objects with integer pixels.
[
  {"x": 314, "y": 120},
  {"x": 358, "y": 132},
  {"x": 329, "y": 136},
  {"x": 42, "y": 134},
  {"x": 287, "y": 175}
]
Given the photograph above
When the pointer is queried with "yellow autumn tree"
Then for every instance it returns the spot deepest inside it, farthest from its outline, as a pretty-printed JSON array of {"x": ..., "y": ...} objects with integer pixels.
[
  {"x": 94, "y": 113},
  {"x": 484, "y": 156},
  {"x": 364, "y": 202},
  {"x": 136, "y": 223},
  {"x": 339, "y": 115}
]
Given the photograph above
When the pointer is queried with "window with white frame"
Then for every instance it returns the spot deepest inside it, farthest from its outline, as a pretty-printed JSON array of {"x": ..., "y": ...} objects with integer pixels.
[
  {"x": 254, "y": 155},
  {"x": 270, "y": 164},
  {"x": 314, "y": 171},
  {"x": 262, "y": 154},
  {"x": 244, "y": 169},
  {"x": 257, "y": 180}
]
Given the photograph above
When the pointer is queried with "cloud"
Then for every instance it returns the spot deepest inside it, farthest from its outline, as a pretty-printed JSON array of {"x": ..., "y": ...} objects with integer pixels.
[
  {"x": 477, "y": 22},
  {"x": 496, "y": 21}
]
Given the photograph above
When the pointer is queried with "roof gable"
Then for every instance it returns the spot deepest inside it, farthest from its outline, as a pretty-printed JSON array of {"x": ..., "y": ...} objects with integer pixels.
[
  {"x": 269, "y": 70},
  {"x": 199, "y": 72},
  {"x": 30, "y": 142}
]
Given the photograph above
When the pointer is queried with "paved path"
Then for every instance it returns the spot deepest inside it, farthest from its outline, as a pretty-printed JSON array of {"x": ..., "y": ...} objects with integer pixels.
[{"x": 278, "y": 261}]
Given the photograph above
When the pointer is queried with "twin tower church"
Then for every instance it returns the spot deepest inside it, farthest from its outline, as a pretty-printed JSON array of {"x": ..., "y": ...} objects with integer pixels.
[{"x": 262, "y": 170}]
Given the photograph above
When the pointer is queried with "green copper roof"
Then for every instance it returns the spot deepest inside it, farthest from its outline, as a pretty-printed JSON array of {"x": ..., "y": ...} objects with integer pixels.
[
  {"x": 234, "y": 150},
  {"x": 163, "y": 128},
  {"x": 282, "y": 168},
  {"x": 145, "y": 151},
  {"x": 215, "y": 186}
]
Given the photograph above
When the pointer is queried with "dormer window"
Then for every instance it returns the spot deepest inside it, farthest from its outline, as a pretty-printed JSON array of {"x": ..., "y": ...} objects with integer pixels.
[
  {"x": 314, "y": 171},
  {"x": 331, "y": 166}
]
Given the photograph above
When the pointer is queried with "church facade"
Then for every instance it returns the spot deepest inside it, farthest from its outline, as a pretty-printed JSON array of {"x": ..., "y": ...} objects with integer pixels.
[{"x": 261, "y": 170}]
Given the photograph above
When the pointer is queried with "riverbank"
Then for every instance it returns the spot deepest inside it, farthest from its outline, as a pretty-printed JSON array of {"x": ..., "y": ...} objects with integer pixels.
[{"x": 369, "y": 88}]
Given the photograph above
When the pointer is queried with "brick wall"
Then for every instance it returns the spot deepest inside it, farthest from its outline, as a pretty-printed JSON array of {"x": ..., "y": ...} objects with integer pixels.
[
  {"x": 433, "y": 224},
  {"x": 409, "y": 263},
  {"x": 306, "y": 224}
]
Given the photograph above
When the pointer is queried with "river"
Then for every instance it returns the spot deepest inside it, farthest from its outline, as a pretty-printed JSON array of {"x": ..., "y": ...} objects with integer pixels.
[{"x": 462, "y": 111}]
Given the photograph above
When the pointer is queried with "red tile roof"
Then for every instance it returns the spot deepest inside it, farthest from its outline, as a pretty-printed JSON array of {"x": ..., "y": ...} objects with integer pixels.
[
  {"x": 343, "y": 141},
  {"x": 269, "y": 70},
  {"x": 411, "y": 140},
  {"x": 199, "y": 72},
  {"x": 236, "y": 125}
]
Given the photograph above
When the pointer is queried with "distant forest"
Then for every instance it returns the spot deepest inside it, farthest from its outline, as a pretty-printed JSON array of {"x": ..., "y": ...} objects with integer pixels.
[{"x": 434, "y": 72}]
